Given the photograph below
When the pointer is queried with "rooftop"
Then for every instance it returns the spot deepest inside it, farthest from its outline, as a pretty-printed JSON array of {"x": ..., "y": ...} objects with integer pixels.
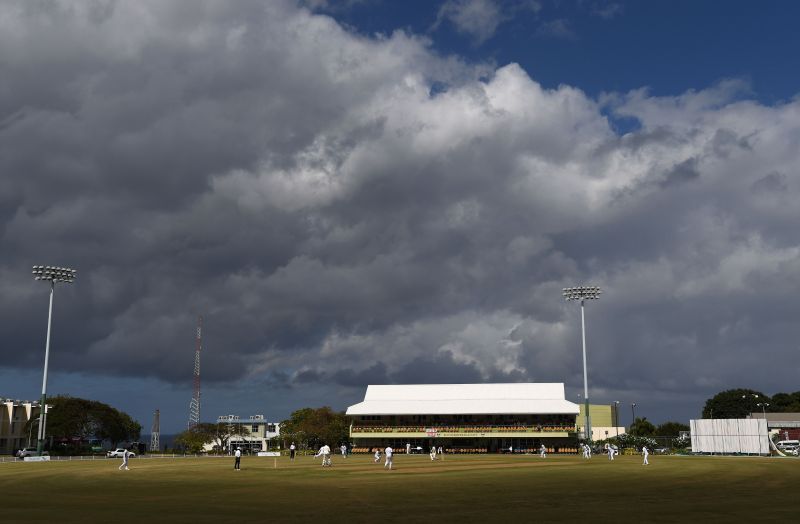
[{"x": 457, "y": 399}]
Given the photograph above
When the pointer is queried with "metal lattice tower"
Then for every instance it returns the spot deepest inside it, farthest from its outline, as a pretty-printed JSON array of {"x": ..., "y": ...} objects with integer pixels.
[
  {"x": 194, "y": 405},
  {"x": 154, "y": 434}
]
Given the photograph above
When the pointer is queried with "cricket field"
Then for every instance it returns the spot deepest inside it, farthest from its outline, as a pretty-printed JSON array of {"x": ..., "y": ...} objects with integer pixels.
[{"x": 460, "y": 488}]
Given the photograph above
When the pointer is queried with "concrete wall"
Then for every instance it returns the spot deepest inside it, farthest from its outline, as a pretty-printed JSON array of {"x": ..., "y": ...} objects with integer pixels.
[
  {"x": 604, "y": 432},
  {"x": 602, "y": 415}
]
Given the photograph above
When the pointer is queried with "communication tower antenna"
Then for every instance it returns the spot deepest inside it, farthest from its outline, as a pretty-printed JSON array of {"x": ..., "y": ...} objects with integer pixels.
[
  {"x": 194, "y": 405},
  {"x": 154, "y": 434}
]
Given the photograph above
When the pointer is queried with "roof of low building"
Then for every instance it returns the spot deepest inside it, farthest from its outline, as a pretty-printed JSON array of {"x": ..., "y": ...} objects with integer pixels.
[{"x": 465, "y": 399}]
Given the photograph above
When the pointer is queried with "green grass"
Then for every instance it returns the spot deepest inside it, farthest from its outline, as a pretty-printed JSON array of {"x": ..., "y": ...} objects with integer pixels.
[{"x": 489, "y": 488}]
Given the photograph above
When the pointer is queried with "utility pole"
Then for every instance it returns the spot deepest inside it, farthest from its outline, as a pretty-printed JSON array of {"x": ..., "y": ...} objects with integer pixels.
[
  {"x": 155, "y": 445},
  {"x": 194, "y": 405}
]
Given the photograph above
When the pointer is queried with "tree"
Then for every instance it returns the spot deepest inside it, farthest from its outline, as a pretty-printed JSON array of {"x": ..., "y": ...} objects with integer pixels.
[
  {"x": 192, "y": 440},
  {"x": 115, "y": 425},
  {"x": 734, "y": 403},
  {"x": 670, "y": 429},
  {"x": 785, "y": 403},
  {"x": 219, "y": 434},
  {"x": 642, "y": 427},
  {"x": 681, "y": 442},
  {"x": 311, "y": 428},
  {"x": 77, "y": 420}
]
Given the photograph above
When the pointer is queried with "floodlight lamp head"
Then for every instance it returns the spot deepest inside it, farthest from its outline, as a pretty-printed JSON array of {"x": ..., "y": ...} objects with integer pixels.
[
  {"x": 582, "y": 293},
  {"x": 54, "y": 274}
]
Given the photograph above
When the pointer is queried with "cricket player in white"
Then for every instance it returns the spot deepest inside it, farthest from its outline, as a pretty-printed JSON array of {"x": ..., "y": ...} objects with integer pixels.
[
  {"x": 238, "y": 461},
  {"x": 377, "y": 455},
  {"x": 325, "y": 453},
  {"x": 542, "y": 451},
  {"x": 610, "y": 452},
  {"x": 645, "y": 453},
  {"x": 389, "y": 451},
  {"x": 408, "y": 448},
  {"x": 589, "y": 450},
  {"x": 125, "y": 456},
  {"x": 344, "y": 450},
  {"x": 433, "y": 453},
  {"x": 585, "y": 451}
]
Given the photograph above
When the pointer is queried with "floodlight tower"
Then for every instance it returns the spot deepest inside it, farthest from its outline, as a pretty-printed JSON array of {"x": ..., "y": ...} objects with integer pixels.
[
  {"x": 194, "y": 405},
  {"x": 584, "y": 293},
  {"x": 155, "y": 445},
  {"x": 52, "y": 275}
]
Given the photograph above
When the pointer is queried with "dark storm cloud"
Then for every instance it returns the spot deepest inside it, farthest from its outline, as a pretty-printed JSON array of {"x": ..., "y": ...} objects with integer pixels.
[
  {"x": 683, "y": 172},
  {"x": 336, "y": 223},
  {"x": 773, "y": 182}
]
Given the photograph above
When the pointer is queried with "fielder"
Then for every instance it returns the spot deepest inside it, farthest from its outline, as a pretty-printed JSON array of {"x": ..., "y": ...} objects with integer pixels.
[
  {"x": 433, "y": 453},
  {"x": 292, "y": 450},
  {"x": 585, "y": 451},
  {"x": 542, "y": 451},
  {"x": 377, "y": 455},
  {"x": 408, "y": 448},
  {"x": 645, "y": 453},
  {"x": 344, "y": 450},
  {"x": 389, "y": 451},
  {"x": 325, "y": 453},
  {"x": 237, "y": 463},
  {"x": 610, "y": 452},
  {"x": 124, "y": 464}
]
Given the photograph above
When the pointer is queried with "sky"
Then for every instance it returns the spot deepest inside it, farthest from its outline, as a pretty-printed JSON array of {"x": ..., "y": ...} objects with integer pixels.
[{"x": 375, "y": 192}]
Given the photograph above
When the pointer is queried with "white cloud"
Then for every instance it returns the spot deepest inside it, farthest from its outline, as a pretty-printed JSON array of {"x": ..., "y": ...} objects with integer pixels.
[
  {"x": 303, "y": 186},
  {"x": 477, "y": 18}
]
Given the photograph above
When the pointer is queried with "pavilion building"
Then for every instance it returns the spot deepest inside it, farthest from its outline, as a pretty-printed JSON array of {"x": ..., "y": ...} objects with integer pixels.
[{"x": 475, "y": 418}]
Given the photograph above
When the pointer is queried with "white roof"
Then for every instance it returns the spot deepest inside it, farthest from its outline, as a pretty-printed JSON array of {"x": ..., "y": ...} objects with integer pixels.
[{"x": 465, "y": 399}]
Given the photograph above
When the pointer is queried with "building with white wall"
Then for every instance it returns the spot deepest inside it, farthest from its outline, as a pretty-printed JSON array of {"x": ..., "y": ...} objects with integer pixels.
[
  {"x": 14, "y": 417},
  {"x": 260, "y": 436},
  {"x": 465, "y": 417}
]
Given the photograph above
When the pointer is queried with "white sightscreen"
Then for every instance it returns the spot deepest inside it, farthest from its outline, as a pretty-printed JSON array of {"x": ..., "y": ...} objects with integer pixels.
[{"x": 730, "y": 435}]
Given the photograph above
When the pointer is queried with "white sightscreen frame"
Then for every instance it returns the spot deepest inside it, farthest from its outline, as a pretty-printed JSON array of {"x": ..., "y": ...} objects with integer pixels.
[{"x": 730, "y": 435}]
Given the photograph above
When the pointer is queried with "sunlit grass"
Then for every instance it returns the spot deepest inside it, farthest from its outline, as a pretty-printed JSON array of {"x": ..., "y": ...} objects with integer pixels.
[{"x": 462, "y": 488}]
